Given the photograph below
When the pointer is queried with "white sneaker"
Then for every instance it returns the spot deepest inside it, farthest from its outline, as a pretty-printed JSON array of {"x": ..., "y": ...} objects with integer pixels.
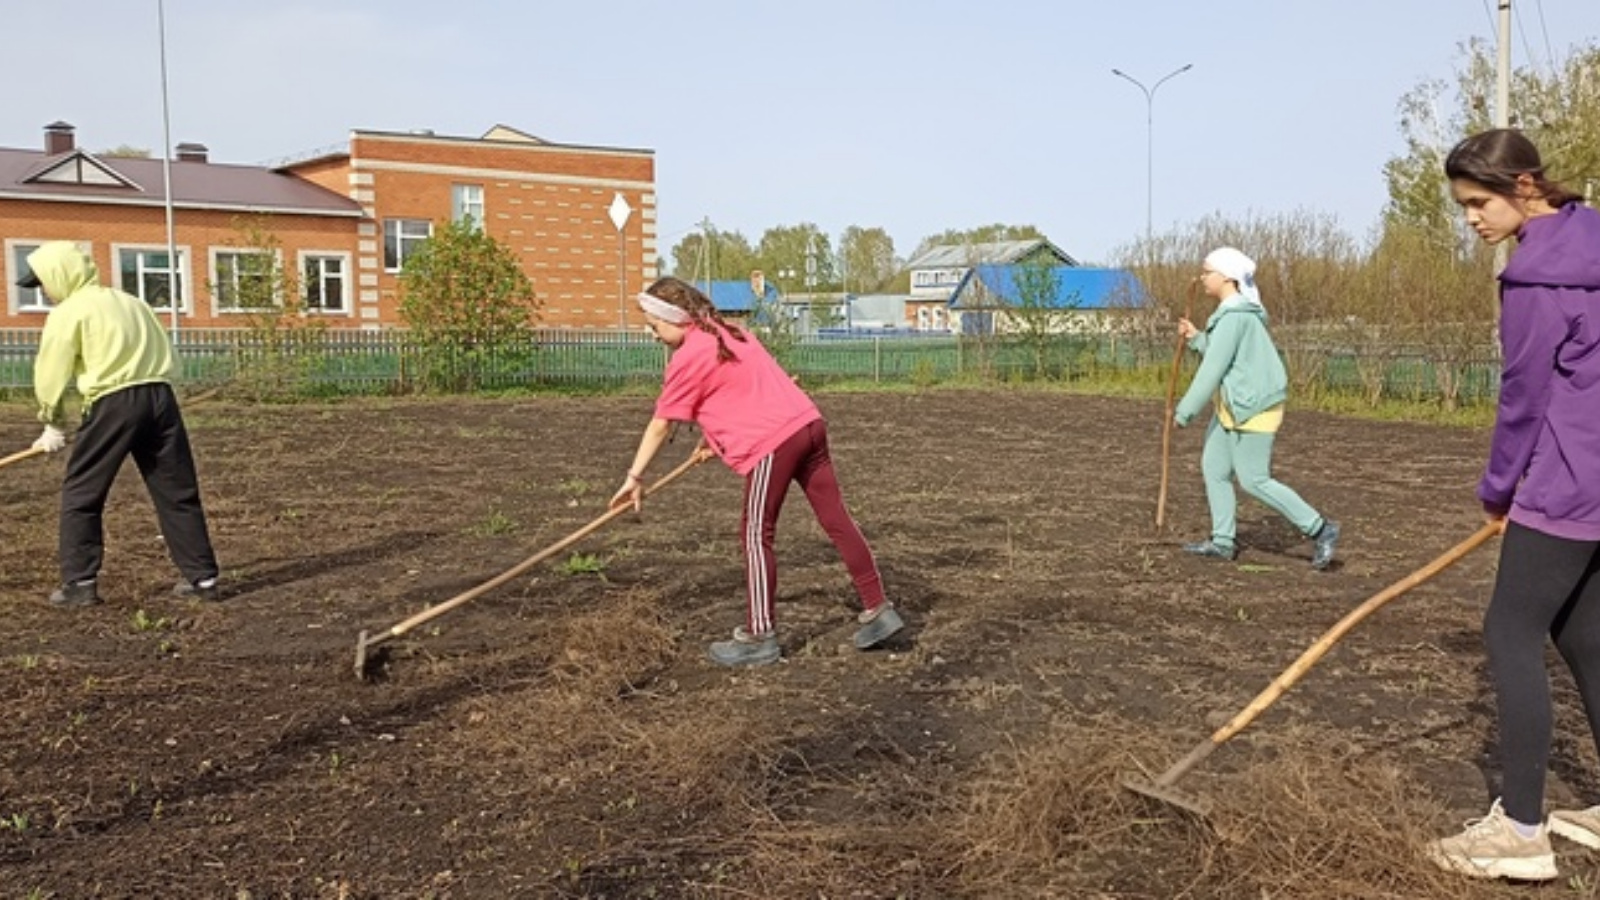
[
  {"x": 1490, "y": 847},
  {"x": 1580, "y": 825}
]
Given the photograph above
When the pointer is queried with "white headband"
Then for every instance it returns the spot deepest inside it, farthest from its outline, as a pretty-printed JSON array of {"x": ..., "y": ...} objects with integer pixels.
[
  {"x": 1235, "y": 266},
  {"x": 663, "y": 310}
]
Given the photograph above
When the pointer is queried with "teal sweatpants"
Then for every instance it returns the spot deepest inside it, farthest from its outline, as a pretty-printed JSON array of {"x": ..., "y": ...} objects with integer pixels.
[{"x": 1247, "y": 455}]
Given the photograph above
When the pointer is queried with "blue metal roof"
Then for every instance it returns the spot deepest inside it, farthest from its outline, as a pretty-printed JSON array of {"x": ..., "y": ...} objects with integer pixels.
[
  {"x": 1076, "y": 287},
  {"x": 735, "y": 296}
]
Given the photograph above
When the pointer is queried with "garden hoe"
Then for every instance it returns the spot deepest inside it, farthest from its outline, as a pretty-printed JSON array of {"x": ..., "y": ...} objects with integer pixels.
[
  {"x": 365, "y": 643},
  {"x": 1163, "y": 788},
  {"x": 19, "y": 457},
  {"x": 32, "y": 452},
  {"x": 1172, "y": 400}
]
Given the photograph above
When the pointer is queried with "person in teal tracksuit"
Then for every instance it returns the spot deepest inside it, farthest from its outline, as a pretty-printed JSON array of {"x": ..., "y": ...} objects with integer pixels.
[{"x": 1241, "y": 371}]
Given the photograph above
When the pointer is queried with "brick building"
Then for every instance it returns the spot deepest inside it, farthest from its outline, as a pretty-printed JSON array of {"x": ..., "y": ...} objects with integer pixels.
[{"x": 344, "y": 222}]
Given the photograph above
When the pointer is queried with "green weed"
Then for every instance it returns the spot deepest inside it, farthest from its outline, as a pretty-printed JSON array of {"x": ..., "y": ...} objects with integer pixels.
[
  {"x": 497, "y": 524},
  {"x": 583, "y": 564},
  {"x": 143, "y": 621}
]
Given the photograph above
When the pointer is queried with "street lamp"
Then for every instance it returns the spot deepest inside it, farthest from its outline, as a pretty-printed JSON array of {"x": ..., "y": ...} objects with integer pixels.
[{"x": 1150, "y": 142}]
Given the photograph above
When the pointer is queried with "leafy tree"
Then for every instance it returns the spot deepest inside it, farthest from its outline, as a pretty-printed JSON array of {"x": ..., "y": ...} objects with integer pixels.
[
  {"x": 714, "y": 255},
  {"x": 1041, "y": 312},
  {"x": 866, "y": 258},
  {"x": 126, "y": 151},
  {"x": 468, "y": 304},
  {"x": 803, "y": 249},
  {"x": 1560, "y": 111}
]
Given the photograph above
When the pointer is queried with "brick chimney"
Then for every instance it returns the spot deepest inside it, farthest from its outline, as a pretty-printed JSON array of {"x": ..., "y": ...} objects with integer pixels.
[
  {"x": 58, "y": 138},
  {"x": 195, "y": 153}
]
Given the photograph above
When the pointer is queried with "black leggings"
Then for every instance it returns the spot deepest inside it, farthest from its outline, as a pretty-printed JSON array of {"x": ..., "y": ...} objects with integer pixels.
[{"x": 1545, "y": 586}]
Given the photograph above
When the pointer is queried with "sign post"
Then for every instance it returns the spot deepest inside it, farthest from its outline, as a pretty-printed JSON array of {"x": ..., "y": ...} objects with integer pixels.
[{"x": 620, "y": 211}]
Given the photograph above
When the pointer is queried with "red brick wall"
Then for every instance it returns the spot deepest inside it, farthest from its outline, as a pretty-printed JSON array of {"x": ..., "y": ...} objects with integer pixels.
[
  {"x": 548, "y": 205},
  {"x": 105, "y": 226}
]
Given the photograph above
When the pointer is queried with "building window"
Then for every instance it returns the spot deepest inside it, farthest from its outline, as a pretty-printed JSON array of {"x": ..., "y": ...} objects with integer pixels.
[
  {"x": 324, "y": 283},
  {"x": 25, "y": 300},
  {"x": 148, "y": 274},
  {"x": 466, "y": 204},
  {"x": 401, "y": 238},
  {"x": 243, "y": 280}
]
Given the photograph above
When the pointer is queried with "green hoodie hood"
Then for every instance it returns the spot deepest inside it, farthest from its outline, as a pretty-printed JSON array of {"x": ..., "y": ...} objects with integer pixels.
[{"x": 62, "y": 269}]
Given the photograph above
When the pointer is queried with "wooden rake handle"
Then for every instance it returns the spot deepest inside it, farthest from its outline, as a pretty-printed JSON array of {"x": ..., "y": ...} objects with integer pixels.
[
  {"x": 434, "y": 612},
  {"x": 19, "y": 457},
  {"x": 1172, "y": 400},
  {"x": 1316, "y": 651}
]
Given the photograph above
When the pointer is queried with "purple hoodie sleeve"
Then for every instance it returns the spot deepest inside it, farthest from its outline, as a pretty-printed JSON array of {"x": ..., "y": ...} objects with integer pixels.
[{"x": 1531, "y": 328}]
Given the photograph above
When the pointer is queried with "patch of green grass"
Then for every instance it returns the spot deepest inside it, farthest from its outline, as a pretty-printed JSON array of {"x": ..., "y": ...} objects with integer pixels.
[
  {"x": 575, "y": 488},
  {"x": 583, "y": 564},
  {"x": 143, "y": 621},
  {"x": 497, "y": 524}
]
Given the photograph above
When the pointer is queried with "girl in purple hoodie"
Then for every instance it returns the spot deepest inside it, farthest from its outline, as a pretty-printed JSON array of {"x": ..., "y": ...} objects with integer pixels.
[{"x": 1542, "y": 483}]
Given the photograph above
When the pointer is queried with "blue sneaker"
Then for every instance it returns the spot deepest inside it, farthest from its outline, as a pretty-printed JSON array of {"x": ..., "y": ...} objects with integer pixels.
[
  {"x": 877, "y": 626},
  {"x": 745, "y": 649},
  {"x": 1210, "y": 548},
  {"x": 1327, "y": 538}
]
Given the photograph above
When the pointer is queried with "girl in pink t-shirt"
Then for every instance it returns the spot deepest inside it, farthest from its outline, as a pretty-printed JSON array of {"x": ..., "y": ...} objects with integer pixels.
[{"x": 765, "y": 428}]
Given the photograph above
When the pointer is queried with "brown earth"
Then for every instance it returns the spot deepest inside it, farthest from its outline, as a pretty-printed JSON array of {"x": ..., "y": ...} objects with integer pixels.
[{"x": 564, "y": 735}]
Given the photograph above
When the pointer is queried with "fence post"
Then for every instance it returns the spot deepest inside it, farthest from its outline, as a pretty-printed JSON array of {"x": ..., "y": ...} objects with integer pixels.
[{"x": 877, "y": 359}]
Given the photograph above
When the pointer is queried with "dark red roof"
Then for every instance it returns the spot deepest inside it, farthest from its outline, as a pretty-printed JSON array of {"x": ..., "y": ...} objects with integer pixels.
[{"x": 204, "y": 185}]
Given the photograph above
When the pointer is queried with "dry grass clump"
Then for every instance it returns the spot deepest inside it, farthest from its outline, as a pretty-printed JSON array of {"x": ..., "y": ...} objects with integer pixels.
[
  {"x": 612, "y": 647},
  {"x": 1314, "y": 822},
  {"x": 1052, "y": 819},
  {"x": 1320, "y": 821}
]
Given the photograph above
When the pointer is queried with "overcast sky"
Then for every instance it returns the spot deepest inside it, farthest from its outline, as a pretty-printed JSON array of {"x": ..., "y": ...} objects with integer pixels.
[{"x": 911, "y": 116}]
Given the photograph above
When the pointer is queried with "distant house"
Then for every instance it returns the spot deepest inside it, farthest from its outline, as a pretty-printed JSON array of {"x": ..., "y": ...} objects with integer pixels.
[
  {"x": 1079, "y": 299},
  {"x": 938, "y": 271},
  {"x": 742, "y": 299}
]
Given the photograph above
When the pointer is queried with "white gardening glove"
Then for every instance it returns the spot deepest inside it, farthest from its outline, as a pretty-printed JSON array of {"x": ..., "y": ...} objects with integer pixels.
[{"x": 53, "y": 440}]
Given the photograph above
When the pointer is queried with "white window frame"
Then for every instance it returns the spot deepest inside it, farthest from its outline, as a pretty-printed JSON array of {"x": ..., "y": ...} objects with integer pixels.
[
  {"x": 220, "y": 305},
  {"x": 17, "y": 298},
  {"x": 404, "y": 243},
  {"x": 185, "y": 276},
  {"x": 305, "y": 257},
  {"x": 466, "y": 202}
]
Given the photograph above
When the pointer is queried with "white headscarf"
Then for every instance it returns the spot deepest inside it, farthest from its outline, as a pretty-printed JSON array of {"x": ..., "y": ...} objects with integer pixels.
[
  {"x": 661, "y": 309},
  {"x": 1238, "y": 268}
]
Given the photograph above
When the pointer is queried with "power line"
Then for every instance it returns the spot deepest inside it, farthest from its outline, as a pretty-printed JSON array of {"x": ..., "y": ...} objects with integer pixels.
[{"x": 1545, "y": 29}]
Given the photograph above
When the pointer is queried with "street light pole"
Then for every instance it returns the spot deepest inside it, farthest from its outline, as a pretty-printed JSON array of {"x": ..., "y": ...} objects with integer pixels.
[{"x": 1150, "y": 142}]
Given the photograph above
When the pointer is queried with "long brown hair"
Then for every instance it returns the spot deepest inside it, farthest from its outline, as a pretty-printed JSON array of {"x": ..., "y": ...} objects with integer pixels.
[
  {"x": 1495, "y": 159},
  {"x": 702, "y": 314}
]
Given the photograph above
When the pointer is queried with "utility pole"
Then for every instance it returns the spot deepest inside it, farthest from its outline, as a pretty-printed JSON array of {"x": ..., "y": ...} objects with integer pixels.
[
  {"x": 166, "y": 175},
  {"x": 1502, "y": 104}
]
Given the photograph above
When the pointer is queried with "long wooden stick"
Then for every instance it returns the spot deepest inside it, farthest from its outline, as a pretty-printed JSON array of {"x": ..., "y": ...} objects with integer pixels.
[
  {"x": 1309, "y": 658},
  {"x": 1172, "y": 400},
  {"x": 19, "y": 457},
  {"x": 364, "y": 642}
]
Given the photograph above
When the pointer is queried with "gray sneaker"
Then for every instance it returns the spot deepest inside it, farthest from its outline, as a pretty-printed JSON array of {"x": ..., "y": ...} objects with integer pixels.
[
  {"x": 1327, "y": 539},
  {"x": 1579, "y": 825},
  {"x": 206, "y": 589},
  {"x": 78, "y": 593},
  {"x": 745, "y": 649},
  {"x": 877, "y": 626}
]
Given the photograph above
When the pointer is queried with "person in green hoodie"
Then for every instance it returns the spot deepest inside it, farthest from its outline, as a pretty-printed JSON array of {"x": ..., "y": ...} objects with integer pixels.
[
  {"x": 112, "y": 346},
  {"x": 1240, "y": 370}
]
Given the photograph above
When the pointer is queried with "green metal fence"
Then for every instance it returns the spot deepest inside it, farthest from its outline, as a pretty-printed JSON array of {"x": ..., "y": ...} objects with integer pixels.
[{"x": 376, "y": 362}]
